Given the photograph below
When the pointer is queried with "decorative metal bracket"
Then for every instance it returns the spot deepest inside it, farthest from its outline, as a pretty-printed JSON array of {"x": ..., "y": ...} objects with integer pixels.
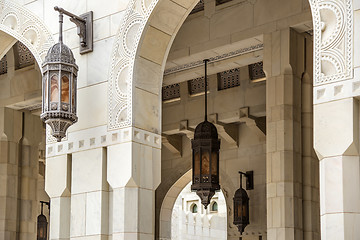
[
  {"x": 84, "y": 25},
  {"x": 249, "y": 179}
]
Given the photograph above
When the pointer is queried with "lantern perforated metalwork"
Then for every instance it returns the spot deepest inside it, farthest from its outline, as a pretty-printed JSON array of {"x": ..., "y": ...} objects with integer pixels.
[
  {"x": 241, "y": 205},
  {"x": 205, "y": 162},
  {"x": 59, "y": 88}
]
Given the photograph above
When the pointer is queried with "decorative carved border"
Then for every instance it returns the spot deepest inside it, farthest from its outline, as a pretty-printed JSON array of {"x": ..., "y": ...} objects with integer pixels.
[
  {"x": 224, "y": 56},
  {"x": 331, "y": 62},
  {"x": 26, "y": 27},
  {"x": 333, "y": 40}
]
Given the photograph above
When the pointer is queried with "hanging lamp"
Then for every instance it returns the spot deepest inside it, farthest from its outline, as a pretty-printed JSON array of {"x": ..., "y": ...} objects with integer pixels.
[{"x": 205, "y": 157}]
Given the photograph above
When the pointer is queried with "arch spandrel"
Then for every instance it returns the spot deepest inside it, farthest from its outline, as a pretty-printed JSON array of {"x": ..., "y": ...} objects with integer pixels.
[{"x": 26, "y": 27}]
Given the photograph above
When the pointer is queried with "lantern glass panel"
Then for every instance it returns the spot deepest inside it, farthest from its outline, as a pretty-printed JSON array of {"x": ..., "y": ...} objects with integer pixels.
[
  {"x": 197, "y": 162},
  {"x": 205, "y": 162},
  {"x": 54, "y": 95},
  {"x": 65, "y": 89},
  {"x": 214, "y": 157},
  {"x": 45, "y": 86},
  {"x": 73, "y": 94},
  {"x": 41, "y": 232}
]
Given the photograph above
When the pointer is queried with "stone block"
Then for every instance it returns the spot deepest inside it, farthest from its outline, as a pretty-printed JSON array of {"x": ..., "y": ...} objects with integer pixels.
[
  {"x": 96, "y": 115},
  {"x": 168, "y": 16},
  {"x": 85, "y": 164},
  {"x": 148, "y": 75},
  {"x": 58, "y": 176},
  {"x": 330, "y": 137},
  {"x": 78, "y": 215},
  {"x": 97, "y": 209},
  {"x": 155, "y": 45}
]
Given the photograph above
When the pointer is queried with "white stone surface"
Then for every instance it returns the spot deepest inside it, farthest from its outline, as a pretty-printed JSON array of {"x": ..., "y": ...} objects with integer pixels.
[{"x": 88, "y": 171}]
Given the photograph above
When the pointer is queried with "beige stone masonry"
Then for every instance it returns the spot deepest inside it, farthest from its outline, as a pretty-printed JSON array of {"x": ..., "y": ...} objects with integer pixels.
[
  {"x": 337, "y": 146},
  {"x": 284, "y": 161}
]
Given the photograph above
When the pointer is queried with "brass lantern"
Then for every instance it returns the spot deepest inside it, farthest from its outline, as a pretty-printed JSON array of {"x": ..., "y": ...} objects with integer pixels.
[
  {"x": 241, "y": 203},
  {"x": 59, "y": 88},
  {"x": 205, "y": 147},
  {"x": 42, "y": 224}
]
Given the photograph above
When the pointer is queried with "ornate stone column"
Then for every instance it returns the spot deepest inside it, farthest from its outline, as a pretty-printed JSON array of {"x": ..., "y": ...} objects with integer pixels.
[
  {"x": 58, "y": 187},
  {"x": 284, "y": 66},
  {"x": 20, "y": 138},
  {"x": 337, "y": 146},
  {"x": 134, "y": 174},
  {"x": 10, "y": 135},
  {"x": 336, "y": 120}
]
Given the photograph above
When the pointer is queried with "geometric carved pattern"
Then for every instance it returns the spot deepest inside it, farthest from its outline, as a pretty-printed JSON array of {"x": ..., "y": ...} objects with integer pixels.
[
  {"x": 26, "y": 27},
  {"x": 216, "y": 58},
  {"x": 229, "y": 79},
  {"x": 3, "y": 65},
  {"x": 23, "y": 56},
  {"x": 332, "y": 51},
  {"x": 256, "y": 71},
  {"x": 171, "y": 92},
  {"x": 333, "y": 40},
  {"x": 197, "y": 85}
]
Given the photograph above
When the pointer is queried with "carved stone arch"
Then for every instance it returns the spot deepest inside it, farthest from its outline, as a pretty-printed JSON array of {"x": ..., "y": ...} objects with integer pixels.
[
  {"x": 164, "y": 222},
  {"x": 136, "y": 69},
  {"x": 26, "y": 27}
]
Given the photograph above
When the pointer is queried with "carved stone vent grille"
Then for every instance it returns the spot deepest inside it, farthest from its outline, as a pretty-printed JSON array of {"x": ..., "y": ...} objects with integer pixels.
[
  {"x": 3, "y": 65},
  {"x": 197, "y": 85},
  {"x": 218, "y": 2},
  {"x": 23, "y": 56},
  {"x": 256, "y": 71},
  {"x": 199, "y": 7},
  {"x": 171, "y": 92},
  {"x": 229, "y": 79}
]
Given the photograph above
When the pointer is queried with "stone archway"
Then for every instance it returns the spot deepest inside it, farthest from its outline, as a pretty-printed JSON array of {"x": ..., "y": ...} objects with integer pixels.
[
  {"x": 138, "y": 59},
  {"x": 174, "y": 191},
  {"x": 22, "y": 25}
]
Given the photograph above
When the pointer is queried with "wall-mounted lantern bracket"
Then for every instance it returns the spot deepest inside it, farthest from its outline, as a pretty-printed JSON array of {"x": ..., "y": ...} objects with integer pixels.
[
  {"x": 249, "y": 179},
  {"x": 84, "y": 25}
]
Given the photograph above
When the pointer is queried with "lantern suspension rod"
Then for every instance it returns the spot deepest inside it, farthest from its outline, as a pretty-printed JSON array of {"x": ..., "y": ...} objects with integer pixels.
[
  {"x": 206, "y": 61},
  {"x": 61, "y": 20},
  {"x": 71, "y": 15},
  {"x": 47, "y": 203}
]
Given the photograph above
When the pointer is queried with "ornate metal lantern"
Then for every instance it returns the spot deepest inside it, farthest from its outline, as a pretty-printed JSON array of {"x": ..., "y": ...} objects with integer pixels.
[
  {"x": 59, "y": 87},
  {"x": 42, "y": 224},
  {"x": 60, "y": 76},
  {"x": 241, "y": 203},
  {"x": 205, "y": 146}
]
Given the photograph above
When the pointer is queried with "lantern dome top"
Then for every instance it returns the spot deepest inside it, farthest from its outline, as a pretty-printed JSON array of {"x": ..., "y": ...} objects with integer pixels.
[
  {"x": 241, "y": 193},
  {"x": 205, "y": 130},
  {"x": 41, "y": 218},
  {"x": 59, "y": 53}
]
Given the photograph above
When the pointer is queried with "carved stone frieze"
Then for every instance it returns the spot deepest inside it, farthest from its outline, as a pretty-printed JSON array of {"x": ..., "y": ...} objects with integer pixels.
[{"x": 333, "y": 40}]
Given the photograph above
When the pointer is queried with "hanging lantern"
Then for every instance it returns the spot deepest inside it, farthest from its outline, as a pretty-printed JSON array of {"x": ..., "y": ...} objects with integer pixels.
[
  {"x": 59, "y": 88},
  {"x": 241, "y": 203},
  {"x": 42, "y": 224},
  {"x": 205, "y": 147}
]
